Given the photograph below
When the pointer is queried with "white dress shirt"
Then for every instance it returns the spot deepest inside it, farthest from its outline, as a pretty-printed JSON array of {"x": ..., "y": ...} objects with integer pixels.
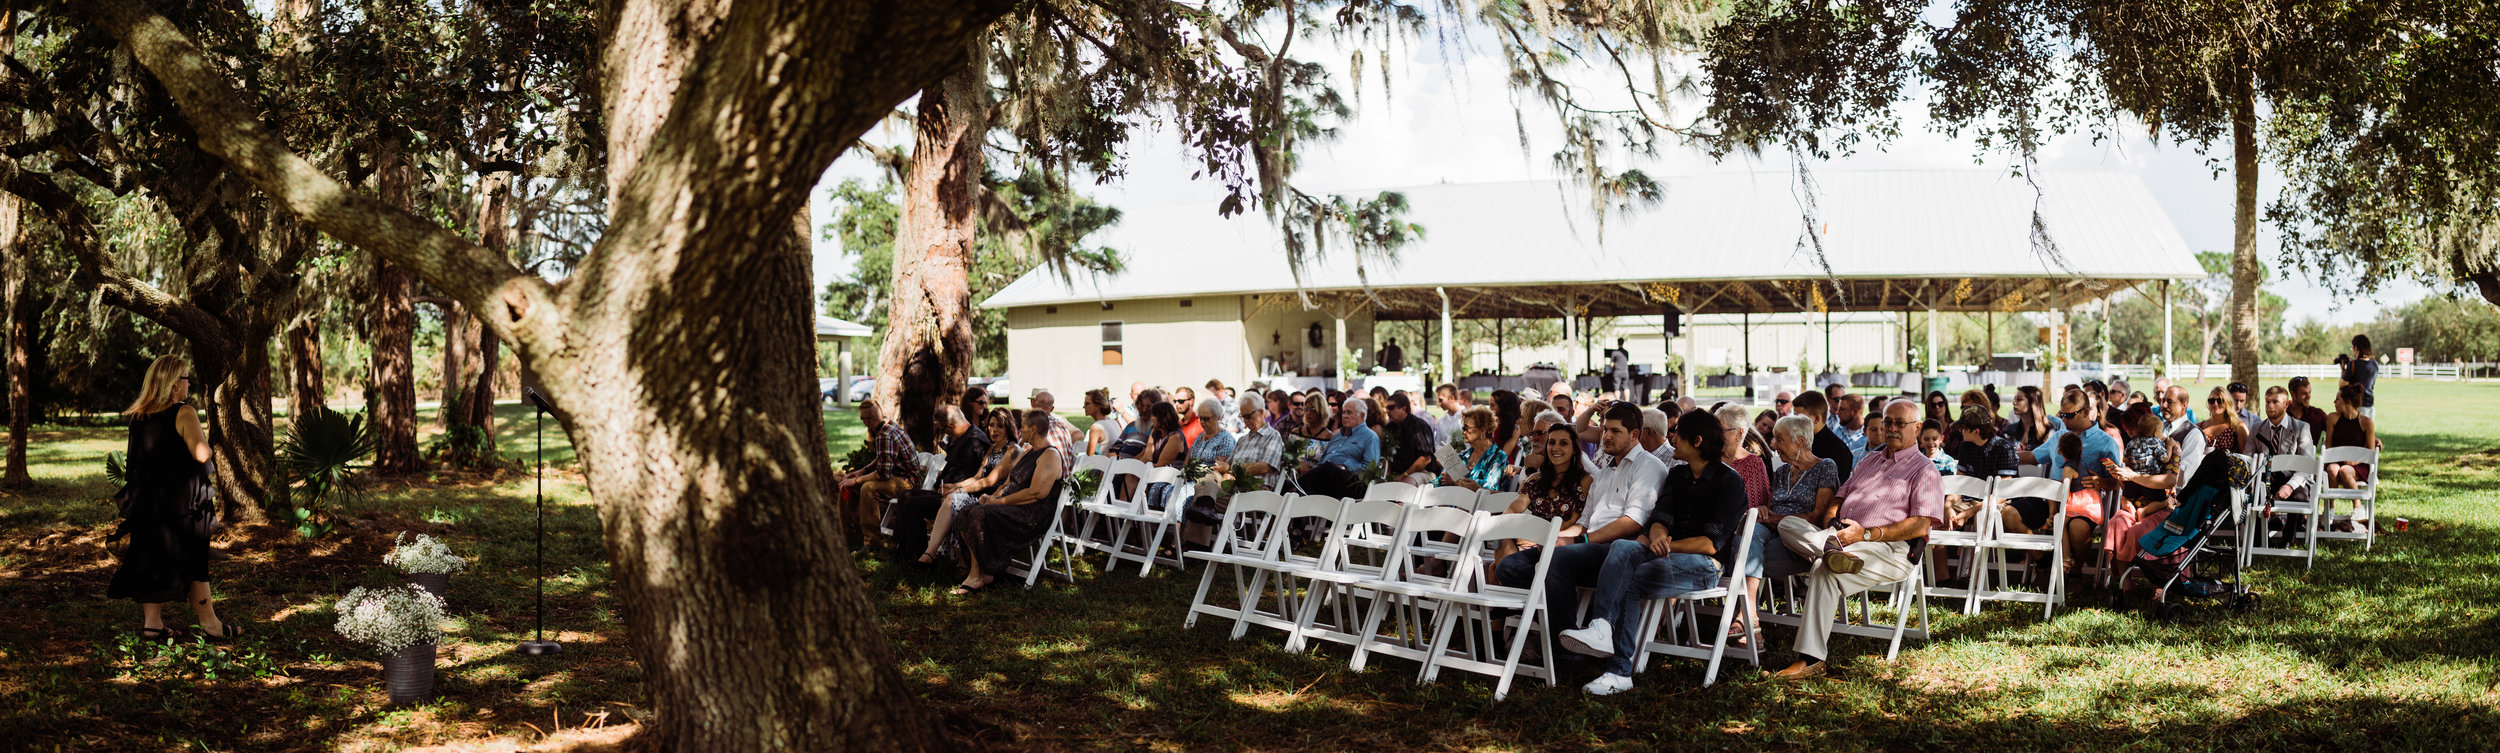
[{"x": 1625, "y": 488}]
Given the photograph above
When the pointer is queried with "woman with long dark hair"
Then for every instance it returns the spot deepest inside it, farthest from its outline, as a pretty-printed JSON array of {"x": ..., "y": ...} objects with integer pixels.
[
  {"x": 1505, "y": 418},
  {"x": 2031, "y": 419},
  {"x": 1559, "y": 494},
  {"x": 168, "y": 508}
]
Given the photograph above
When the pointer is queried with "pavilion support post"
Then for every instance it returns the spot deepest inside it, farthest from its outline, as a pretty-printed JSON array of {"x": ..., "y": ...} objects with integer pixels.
[
  {"x": 1935, "y": 357},
  {"x": 1344, "y": 376},
  {"x": 842, "y": 371},
  {"x": 1449, "y": 365},
  {"x": 1991, "y": 328},
  {"x": 1747, "y": 326},
  {"x": 2165, "y": 329},
  {"x": 2105, "y": 325},
  {"x": 1828, "y": 366},
  {"x": 1501, "y": 365}
]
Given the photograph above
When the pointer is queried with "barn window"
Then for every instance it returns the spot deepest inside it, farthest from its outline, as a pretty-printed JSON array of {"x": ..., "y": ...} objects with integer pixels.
[
  {"x": 1050, "y": 309},
  {"x": 1111, "y": 343},
  {"x": 1185, "y": 303}
]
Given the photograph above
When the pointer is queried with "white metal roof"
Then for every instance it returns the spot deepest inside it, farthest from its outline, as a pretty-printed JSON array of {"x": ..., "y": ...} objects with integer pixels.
[
  {"x": 827, "y": 326},
  {"x": 1875, "y": 224}
]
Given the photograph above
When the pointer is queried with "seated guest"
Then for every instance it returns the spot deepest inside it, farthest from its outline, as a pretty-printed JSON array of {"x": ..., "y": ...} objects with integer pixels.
[
  {"x": 2223, "y": 428},
  {"x": 1531, "y": 440},
  {"x": 2030, "y": 425},
  {"x": 896, "y": 469},
  {"x": 1105, "y": 431},
  {"x": 2282, "y": 434},
  {"x": 1688, "y": 543},
  {"x": 1557, "y": 496},
  {"x": 2349, "y": 426},
  {"x": 1509, "y": 419},
  {"x": 2239, "y": 403},
  {"x": 1346, "y": 452},
  {"x": 1415, "y": 459},
  {"x": 2095, "y": 450},
  {"x": 1801, "y": 489},
  {"x": 1483, "y": 464},
  {"x": 2309, "y": 414},
  {"x": 1886, "y": 508},
  {"x": 1214, "y": 449},
  {"x": 1062, "y": 434},
  {"x": 1315, "y": 420},
  {"x": 1619, "y": 502},
  {"x": 1375, "y": 414},
  {"x": 1847, "y": 419},
  {"x": 1759, "y": 442},
  {"x": 1184, "y": 402},
  {"x": 1135, "y": 435},
  {"x": 1755, "y": 469},
  {"x": 2150, "y": 471},
  {"x": 966, "y": 447},
  {"x": 1827, "y": 443},
  {"x": 1931, "y": 444},
  {"x": 1006, "y": 523},
  {"x": 1284, "y": 411},
  {"x": 1985, "y": 452},
  {"x": 1166, "y": 448}
]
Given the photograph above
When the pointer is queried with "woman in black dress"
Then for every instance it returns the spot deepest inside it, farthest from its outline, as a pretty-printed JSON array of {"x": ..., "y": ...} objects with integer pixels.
[
  {"x": 168, "y": 512},
  {"x": 1007, "y": 522}
]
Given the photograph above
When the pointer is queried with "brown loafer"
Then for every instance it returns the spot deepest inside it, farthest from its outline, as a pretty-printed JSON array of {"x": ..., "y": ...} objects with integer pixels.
[
  {"x": 1799, "y": 671},
  {"x": 1842, "y": 563}
]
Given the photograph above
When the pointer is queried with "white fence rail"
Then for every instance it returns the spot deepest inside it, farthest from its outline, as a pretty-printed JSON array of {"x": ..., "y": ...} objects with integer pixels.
[{"x": 2453, "y": 370}]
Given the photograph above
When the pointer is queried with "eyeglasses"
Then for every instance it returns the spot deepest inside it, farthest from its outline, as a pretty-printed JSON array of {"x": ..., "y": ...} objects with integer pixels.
[
  {"x": 1899, "y": 422},
  {"x": 2068, "y": 414}
]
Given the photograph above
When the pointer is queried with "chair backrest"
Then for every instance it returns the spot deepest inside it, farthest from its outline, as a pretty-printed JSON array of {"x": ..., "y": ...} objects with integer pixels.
[
  {"x": 1245, "y": 535},
  {"x": 1324, "y": 508},
  {"x": 2302, "y": 464},
  {"x": 1368, "y": 526},
  {"x": 1734, "y": 576},
  {"x": 1966, "y": 486},
  {"x": 1173, "y": 500},
  {"x": 1398, "y": 491},
  {"x": 1496, "y": 502},
  {"x": 2050, "y": 489},
  {"x": 1514, "y": 526},
  {"x": 1424, "y": 524},
  {"x": 1130, "y": 467},
  {"x": 930, "y": 465},
  {"x": 2350, "y": 455},
  {"x": 1458, "y": 497},
  {"x": 2032, "y": 470}
]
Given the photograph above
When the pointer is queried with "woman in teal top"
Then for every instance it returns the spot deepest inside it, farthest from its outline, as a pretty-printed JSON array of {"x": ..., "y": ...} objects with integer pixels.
[{"x": 1481, "y": 464}]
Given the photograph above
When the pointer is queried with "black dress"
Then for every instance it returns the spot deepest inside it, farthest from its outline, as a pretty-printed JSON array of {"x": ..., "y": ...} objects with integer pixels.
[
  {"x": 171, "y": 513},
  {"x": 1000, "y": 533}
]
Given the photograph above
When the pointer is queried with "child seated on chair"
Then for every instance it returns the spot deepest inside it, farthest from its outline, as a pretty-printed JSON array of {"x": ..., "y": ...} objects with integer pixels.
[{"x": 2083, "y": 502}]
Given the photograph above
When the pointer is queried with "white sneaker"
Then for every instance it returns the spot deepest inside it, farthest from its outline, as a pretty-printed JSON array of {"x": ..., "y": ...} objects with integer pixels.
[
  {"x": 1608, "y": 684},
  {"x": 1598, "y": 639}
]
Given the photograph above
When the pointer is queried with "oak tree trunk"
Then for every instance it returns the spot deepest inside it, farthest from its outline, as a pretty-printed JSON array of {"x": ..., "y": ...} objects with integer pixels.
[
  {"x": 2244, "y": 265},
  {"x": 20, "y": 305},
  {"x": 927, "y": 355},
  {"x": 241, "y": 447},
  {"x": 303, "y": 354},
  {"x": 394, "y": 408}
]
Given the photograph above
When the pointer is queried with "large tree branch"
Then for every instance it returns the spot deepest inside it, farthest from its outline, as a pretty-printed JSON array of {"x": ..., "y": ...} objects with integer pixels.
[
  {"x": 229, "y": 129},
  {"x": 96, "y": 266}
]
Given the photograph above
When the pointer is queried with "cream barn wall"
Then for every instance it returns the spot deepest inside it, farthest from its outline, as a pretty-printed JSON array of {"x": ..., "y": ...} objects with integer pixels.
[{"x": 1164, "y": 343}]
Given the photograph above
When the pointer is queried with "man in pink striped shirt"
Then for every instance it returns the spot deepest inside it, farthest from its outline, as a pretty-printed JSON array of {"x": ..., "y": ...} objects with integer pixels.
[{"x": 1885, "y": 510}]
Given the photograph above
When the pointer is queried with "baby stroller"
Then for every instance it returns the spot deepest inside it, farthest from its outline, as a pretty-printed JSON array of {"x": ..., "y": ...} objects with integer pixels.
[{"x": 2184, "y": 558}]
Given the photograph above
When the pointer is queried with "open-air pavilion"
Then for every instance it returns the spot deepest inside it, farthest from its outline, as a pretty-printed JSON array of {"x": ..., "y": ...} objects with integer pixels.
[{"x": 1207, "y": 296}]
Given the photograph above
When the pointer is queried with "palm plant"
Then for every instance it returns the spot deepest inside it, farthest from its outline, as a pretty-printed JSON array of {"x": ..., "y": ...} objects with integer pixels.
[{"x": 323, "y": 459}]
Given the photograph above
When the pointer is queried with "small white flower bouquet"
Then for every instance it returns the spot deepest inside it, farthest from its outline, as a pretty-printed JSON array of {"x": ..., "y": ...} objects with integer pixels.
[
  {"x": 392, "y": 618},
  {"x": 424, "y": 555}
]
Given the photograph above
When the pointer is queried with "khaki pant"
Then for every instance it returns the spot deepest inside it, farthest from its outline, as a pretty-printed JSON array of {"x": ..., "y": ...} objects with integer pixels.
[
  {"x": 1886, "y": 563},
  {"x": 873, "y": 496}
]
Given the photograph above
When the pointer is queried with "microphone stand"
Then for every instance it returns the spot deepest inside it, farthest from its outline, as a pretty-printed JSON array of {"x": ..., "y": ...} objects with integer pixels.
[{"x": 541, "y": 646}]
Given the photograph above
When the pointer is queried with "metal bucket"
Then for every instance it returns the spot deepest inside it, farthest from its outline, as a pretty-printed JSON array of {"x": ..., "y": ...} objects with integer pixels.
[
  {"x": 438, "y": 584},
  {"x": 409, "y": 674}
]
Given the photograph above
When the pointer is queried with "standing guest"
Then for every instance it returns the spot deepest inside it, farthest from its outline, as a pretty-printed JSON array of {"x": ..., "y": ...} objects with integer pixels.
[
  {"x": 1753, "y": 468},
  {"x": 1416, "y": 451},
  {"x": 895, "y": 468},
  {"x": 2362, "y": 371},
  {"x": 170, "y": 509},
  {"x": 921, "y": 518},
  {"x": 1827, "y": 444},
  {"x": 1392, "y": 357},
  {"x": 1353, "y": 446},
  {"x": 1453, "y": 403},
  {"x": 1619, "y": 503},
  {"x": 1779, "y": 403},
  {"x": 1184, "y": 402},
  {"x": 1931, "y": 444},
  {"x": 1848, "y": 422},
  {"x": 1105, "y": 431},
  {"x": 1687, "y": 542},
  {"x": 2030, "y": 425},
  {"x": 2281, "y": 434},
  {"x": 1482, "y": 463},
  {"x": 2300, "y": 408},
  {"x": 2349, "y": 426},
  {"x": 1886, "y": 509},
  {"x": 1561, "y": 495},
  {"x": 2223, "y": 428},
  {"x": 1062, "y": 435},
  {"x": 1007, "y": 523}
]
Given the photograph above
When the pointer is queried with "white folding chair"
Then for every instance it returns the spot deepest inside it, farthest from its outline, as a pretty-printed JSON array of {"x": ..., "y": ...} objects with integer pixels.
[
  {"x": 1104, "y": 509},
  {"x": 1285, "y": 567},
  {"x": 1905, "y": 597},
  {"x": 1445, "y": 496},
  {"x": 1054, "y": 538},
  {"x": 2257, "y": 528},
  {"x": 1994, "y": 542},
  {"x": 1475, "y": 595},
  {"x": 2031, "y": 471},
  {"x": 1734, "y": 599},
  {"x": 1246, "y": 539},
  {"x": 1409, "y": 588},
  {"x": 1497, "y": 503},
  {"x": 1967, "y": 542},
  {"x": 2364, "y": 499},
  {"x": 1341, "y": 565},
  {"x": 1397, "y": 491},
  {"x": 930, "y": 464},
  {"x": 1153, "y": 525}
]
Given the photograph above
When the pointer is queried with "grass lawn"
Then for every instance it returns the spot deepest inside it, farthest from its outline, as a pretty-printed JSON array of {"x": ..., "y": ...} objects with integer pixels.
[{"x": 2388, "y": 649}]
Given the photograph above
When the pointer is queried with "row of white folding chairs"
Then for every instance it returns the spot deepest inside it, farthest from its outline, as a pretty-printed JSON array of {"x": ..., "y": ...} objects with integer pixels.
[
  {"x": 930, "y": 464},
  {"x": 2255, "y": 538},
  {"x": 1989, "y": 542}
]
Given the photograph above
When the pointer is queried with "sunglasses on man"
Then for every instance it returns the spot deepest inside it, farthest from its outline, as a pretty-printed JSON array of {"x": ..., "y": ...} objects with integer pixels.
[
  {"x": 1780, "y": 401},
  {"x": 2068, "y": 414}
]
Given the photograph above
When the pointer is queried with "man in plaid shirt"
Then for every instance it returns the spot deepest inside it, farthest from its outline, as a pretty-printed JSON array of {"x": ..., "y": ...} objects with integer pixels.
[{"x": 894, "y": 471}]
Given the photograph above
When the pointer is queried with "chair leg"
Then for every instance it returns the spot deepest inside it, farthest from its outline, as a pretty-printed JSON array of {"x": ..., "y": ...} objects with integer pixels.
[{"x": 1371, "y": 628}]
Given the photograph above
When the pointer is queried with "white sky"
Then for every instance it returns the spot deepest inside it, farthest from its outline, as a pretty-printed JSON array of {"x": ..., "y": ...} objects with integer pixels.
[{"x": 1452, "y": 120}]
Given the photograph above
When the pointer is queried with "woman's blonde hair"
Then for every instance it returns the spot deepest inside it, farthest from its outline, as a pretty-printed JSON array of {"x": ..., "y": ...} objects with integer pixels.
[{"x": 163, "y": 387}]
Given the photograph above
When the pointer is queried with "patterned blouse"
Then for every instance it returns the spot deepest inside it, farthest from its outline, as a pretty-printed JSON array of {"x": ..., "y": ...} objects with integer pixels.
[
  {"x": 1795, "y": 492},
  {"x": 2151, "y": 456},
  {"x": 1756, "y": 470},
  {"x": 1557, "y": 504},
  {"x": 1262, "y": 445},
  {"x": 1485, "y": 471}
]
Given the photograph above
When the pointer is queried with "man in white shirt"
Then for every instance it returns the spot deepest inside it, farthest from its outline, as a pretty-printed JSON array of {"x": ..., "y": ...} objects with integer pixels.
[
  {"x": 1452, "y": 402},
  {"x": 1619, "y": 503}
]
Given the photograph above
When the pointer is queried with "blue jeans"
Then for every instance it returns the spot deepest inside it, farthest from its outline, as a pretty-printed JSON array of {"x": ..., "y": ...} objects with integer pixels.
[
  {"x": 1574, "y": 566},
  {"x": 1631, "y": 576}
]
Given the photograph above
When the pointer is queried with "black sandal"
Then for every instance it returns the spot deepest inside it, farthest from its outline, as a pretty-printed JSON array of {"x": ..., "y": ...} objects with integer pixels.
[
  {"x": 229, "y": 631},
  {"x": 963, "y": 590},
  {"x": 160, "y": 635}
]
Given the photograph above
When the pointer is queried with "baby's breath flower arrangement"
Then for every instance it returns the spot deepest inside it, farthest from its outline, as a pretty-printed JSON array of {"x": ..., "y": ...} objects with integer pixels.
[
  {"x": 391, "y": 618},
  {"x": 424, "y": 555}
]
